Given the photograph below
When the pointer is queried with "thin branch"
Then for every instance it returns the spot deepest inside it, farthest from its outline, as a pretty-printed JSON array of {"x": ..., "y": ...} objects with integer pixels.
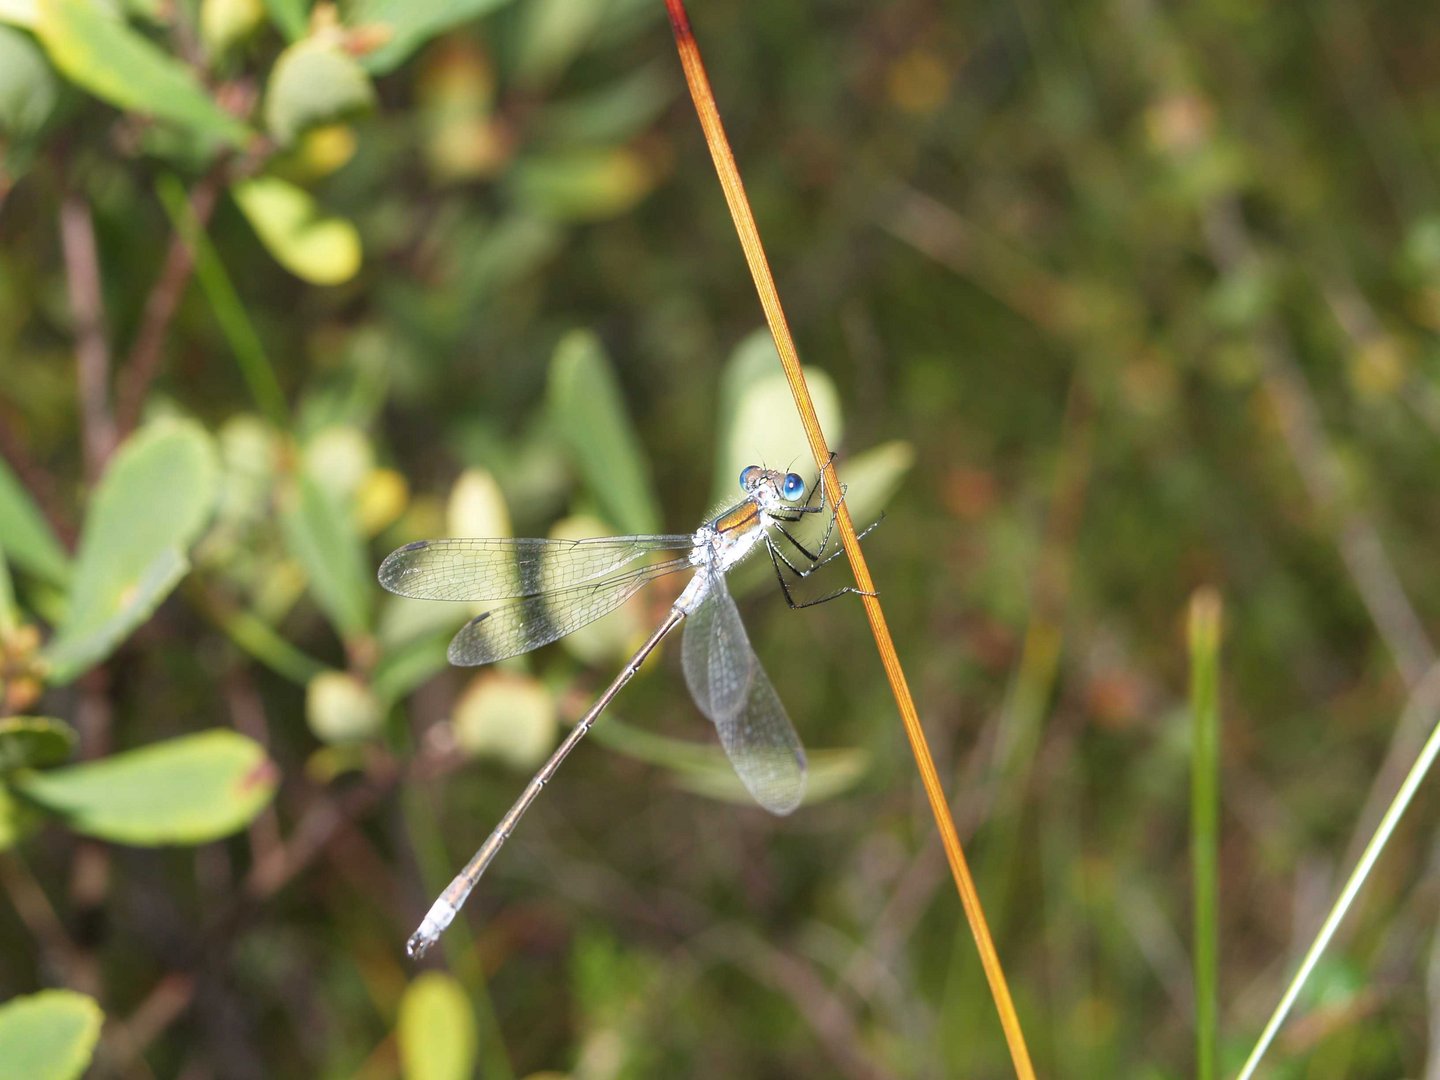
[
  {"x": 749, "y": 236},
  {"x": 142, "y": 363},
  {"x": 92, "y": 348}
]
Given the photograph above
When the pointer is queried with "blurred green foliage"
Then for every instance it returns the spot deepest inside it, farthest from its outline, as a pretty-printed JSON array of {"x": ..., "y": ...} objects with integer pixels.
[{"x": 1103, "y": 303}]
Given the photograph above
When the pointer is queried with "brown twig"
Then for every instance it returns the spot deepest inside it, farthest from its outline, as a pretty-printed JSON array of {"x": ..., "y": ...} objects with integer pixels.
[
  {"x": 142, "y": 363},
  {"x": 92, "y": 347},
  {"x": 749, "y": 236}
]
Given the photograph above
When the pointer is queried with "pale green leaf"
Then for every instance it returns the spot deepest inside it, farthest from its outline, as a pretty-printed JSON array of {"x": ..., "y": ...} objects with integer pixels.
[
  {"x": 704, "y": 769},
  {"x": 589, "y": 412},
  {"x": 28, "y": 87},
  {"x": 759, "y": 424},
  {"x": 18, "y": 819},
  {"x": 321, "y": 249},
  {"x": 291, "y": 17},
  {"x": 436, "y": 1030},
  {"x": 314, "y": 82},
  {"x": 226, "y": 23},
  {"x": 98, "y": 52},
  {"x": 340, "y": 708},
  {"x": 26, "y": 538},
  {"x": 188, "y": 790},
  {"x": 34, "y": 742},
  {"x": 50, "y": 1035},
  {"x": 411, "y": 23},
  {"x": 581, "y": 185},
  {"x": 508, "y": 717},
  {"x": 19, "y": 12},
  {"x": 152, "y": 503},
  {"x": 873, "y": 476},
  {"x": 325, "y": 541}
]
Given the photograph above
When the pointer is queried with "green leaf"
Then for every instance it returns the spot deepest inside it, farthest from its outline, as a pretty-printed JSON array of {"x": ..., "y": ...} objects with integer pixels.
[
  {"x": 189, "y": 790},
  {"x": 34, "y": 742},
  {"x": 873, "y": 476},
  {"x": 50, "y": 1035},
  {"x": 511, "y": 718},
  {"x": 224, "y": 24},
  {"x": 291, "y": 17},
  {"x": 98, "y": 52},
  {"x": 436, "y": 1030},
  {"x": 340, "y": 708},
  {"x": 150, "y": 506},
  {"x": 28, "y": 87},
  {"x": 758, "y": 422},
  {"x": 19, "y": 13},
  {"x": 18, "y": 819},
  {"x": 581, "y": 185},
  {"x": 323, "y": 538},
  {"x": 705, "y": 770},
  {"x": 314, "y": 82},
  {"x": 411, "y": 23},
  {"x": 321, "y": 249},
  {"x": 552, "y": 33},
  {"x": 26, "y": 538},
  {"x": 585, "y": 401},
  {"x": 611, "y": 113}
]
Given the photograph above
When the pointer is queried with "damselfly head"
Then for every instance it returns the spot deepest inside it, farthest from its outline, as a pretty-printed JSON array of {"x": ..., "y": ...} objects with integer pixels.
[{"x": 769, "y": 486}]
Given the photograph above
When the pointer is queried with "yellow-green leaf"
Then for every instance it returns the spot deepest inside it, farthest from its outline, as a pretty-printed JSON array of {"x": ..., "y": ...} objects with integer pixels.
[
  {"x": 504, "y": 716},
  {"x": 436, "y": 1030},
  {"x": 321, "y": 249},
  {"x": 50, "y": 1035},
  {"x": 26, "y": 538},
  {"x": 324, "y": 539},
  {"x": 28, "y": 87},
  {"x": 589, "y": 411},
  {"x": 314, "y": 82},
  {"x": 150, "y": 506},
  {"x": 34, "y": 742},
  {"x": 99, "y": 52},
  {"x": 188, "y": 790},
  {"x": 410, "y": 23},
  {"x": 582, "y": 185}
]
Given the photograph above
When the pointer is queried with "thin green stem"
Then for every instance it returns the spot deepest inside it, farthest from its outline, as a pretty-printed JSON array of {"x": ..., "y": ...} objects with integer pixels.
[
  {"x": 1204, "y": 636},
  {"x": 1377, "y": 843},
  {"x": 255, "y": 366}
]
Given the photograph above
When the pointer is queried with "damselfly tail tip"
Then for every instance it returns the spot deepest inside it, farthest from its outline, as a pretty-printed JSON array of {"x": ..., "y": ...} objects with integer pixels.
[{"x": 418, "y": 945}]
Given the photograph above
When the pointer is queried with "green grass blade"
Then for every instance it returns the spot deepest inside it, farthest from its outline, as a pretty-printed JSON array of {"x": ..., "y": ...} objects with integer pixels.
[
  {"x": 1204, "y": 638},
  {"x": 1368, "y": 857}
]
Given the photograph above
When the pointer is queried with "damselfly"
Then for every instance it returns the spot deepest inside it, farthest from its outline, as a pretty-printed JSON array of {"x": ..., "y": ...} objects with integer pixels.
[{"x": 550, "y": 588}]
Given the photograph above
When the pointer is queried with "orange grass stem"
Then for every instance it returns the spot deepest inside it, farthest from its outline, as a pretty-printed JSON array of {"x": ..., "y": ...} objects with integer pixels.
[{"x": 745, "y": 227}]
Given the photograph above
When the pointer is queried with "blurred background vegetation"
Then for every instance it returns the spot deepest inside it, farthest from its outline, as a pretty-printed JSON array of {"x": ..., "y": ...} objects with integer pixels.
[{"x": 1115, "y": 301}]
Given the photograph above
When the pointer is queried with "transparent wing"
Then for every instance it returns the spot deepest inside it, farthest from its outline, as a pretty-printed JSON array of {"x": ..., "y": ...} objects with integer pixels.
[
  {"x": 528, "y": 622},
  {"x": 733, "y": 690},
  {"x": 499, "y": 569}
]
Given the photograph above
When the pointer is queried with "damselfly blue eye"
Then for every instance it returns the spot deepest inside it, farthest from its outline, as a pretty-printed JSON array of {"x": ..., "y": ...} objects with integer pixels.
[
  {"x": 745, "y": 476},
  {"x": 794, "y": 486}
]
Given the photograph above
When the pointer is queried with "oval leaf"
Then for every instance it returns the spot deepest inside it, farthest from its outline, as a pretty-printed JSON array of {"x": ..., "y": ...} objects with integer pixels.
[
  {"x": 189, "y": 790},
  {"x": 26, "y": 539},
  {"x": 313, "y": 83},
  {"x": 50, "y": 1035},
  {"x": 585, "y": 401},
  {"x": 704, "y": 769},
  {"x": 508, "y": 717},
  {"x": 436, "y": 1030},
  {"x": 98, "y": 52},
  {"x": 34, "y": 742},
  {"x": 18, "y": 819},
  {"x": 325, "y": 541},
  {"x": 582, "y": 185},
  {"x": 28, "y": 88},
  {"x": 149, "y": 507},
  {"x": 321, "y": 249},
  {"x": 410, "y": 24},
  {"x": 760, "y": 425},
  {"x": 340, "y": 708}
]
